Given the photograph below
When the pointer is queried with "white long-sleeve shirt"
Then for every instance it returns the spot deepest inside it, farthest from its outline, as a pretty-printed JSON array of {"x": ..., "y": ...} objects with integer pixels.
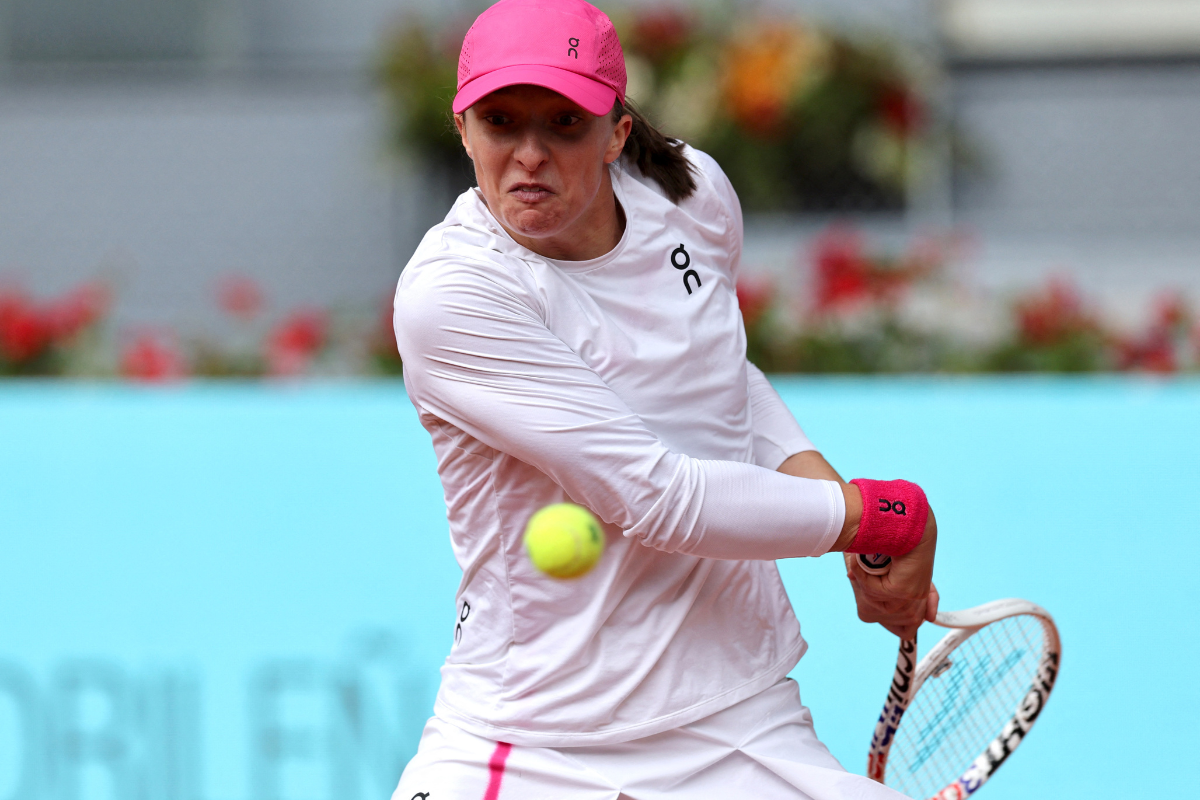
[{"x": 621, "y": 384}]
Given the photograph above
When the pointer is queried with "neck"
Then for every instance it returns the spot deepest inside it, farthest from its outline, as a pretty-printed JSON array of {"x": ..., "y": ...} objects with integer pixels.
[{"x": 597, "y": 231}]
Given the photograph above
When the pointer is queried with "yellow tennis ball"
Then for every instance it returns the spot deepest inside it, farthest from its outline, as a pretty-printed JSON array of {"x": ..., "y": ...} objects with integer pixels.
[{"x": 564, "y": 540}]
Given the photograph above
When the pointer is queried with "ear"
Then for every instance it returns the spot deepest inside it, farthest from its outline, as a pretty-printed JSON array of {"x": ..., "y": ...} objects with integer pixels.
[
  {"x": 617, "y": 143},
  {"x": 460, "y": 122}
]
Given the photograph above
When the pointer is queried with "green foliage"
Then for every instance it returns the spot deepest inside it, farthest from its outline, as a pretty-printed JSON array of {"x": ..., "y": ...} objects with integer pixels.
[
  {"x": 886, "y": 347},
  {"x": 1082, "y": 351},
  {"x": 419, "y": 74},
  {"x": 420, "y": 77}
]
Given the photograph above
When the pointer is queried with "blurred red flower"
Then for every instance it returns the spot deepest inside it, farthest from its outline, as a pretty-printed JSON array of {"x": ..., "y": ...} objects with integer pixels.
[
  {"x": 847, "y": 276},
  {"x": 1158, "y": 348},
  {"x": 153, "y": 357},
  {"x": 29, "y": 330},
  {"x": 295, "y": 341},
  {"x": 660, "y": 32},
  {"x": 1153, "y": 352},
  {"x": 23, "y": 330},
  {"x": 899, "y": 109},
  {"x": 1171, "y": 312},
  {"x": 755, "y": 294},
  {"x": 77, "y": 311},
  {"x": 240, "y": 296},
  {"x": 1053, "y": 313},
  {"x": 842, "y": 270}
]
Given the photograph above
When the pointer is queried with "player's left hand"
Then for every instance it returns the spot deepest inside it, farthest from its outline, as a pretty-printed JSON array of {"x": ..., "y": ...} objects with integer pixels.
[{"x": 904, "y": 596}]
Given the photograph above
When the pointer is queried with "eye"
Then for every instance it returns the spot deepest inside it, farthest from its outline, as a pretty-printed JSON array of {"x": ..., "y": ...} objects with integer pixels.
[
  {"x": 496, "y": 119},
  {"x": 567, "y": 120}
]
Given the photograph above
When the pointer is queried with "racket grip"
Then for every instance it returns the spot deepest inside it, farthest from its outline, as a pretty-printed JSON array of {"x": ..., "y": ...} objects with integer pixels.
[{"x": 874, "y": 563}]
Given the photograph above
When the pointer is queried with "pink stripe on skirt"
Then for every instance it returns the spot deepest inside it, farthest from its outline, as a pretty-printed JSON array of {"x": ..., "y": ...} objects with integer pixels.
[{"x": 496, "y": 770}]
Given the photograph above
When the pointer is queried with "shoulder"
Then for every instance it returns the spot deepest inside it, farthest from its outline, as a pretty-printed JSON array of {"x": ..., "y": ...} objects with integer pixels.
[
  {"x": 714, "y": 195},
  {"x": 456, "y": 276},
  {"x": 460, "y": 268},
  {"x": 714, "y": 180},
  {"x": 468, "y": 248},
  {"x": 706, "y": 166}
]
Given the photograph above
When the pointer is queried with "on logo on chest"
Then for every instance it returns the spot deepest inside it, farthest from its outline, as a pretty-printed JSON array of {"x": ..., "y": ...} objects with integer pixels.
[{"x": 681, "y": 260}]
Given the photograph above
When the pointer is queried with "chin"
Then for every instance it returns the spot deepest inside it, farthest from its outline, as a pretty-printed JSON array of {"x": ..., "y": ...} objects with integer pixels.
[{"x": 534, "y": 222}]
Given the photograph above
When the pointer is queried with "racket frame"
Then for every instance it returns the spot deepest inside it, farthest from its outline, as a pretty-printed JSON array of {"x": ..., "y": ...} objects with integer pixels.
[{"x": 909, "y": 676}]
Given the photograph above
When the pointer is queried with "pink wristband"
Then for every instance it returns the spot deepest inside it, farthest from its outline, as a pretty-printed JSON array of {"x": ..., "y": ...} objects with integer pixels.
[{"x": 893, "y": 518}]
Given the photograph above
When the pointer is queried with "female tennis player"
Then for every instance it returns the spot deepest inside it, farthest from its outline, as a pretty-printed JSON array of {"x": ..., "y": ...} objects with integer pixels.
[{"x": 571, "y": 332}]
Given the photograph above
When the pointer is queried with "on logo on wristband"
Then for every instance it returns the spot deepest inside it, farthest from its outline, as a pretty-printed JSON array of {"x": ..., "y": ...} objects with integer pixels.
[{"x": 887, "y": 527}]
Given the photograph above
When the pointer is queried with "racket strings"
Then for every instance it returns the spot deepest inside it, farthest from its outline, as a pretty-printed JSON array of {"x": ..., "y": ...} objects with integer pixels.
[
  {"x": 964, "y": 710},
  {"x": 968, "y": 707},
  {"x": 955, "y": 716}
]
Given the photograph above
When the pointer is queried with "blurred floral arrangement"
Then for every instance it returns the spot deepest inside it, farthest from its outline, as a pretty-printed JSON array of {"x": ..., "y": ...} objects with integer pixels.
[
  {"x": 303, "y": 342},
  {"x": 800, "y": 117},
  {"x": 64, "y": 337},
  {"x": 845, "y": 306},
  {"x": 288, "y": 347},
  {"x": 419, "y": 74},
  {"x": 871, "y": 312}
]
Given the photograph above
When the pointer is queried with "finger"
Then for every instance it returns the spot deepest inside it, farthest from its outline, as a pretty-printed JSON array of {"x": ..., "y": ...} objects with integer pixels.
[
  {"x": 894, "y": 599},
  {"x": 907, "y": 615},
  {"x": 893, "y": 609},
  {"x": 931, "y": 606},
  {"x": 911, "y": 615},
  {"x": 903, "y": 631}
]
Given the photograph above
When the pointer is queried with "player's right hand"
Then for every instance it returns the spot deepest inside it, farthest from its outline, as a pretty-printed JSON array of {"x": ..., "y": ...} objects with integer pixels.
[{"x": 904, "y": 596}]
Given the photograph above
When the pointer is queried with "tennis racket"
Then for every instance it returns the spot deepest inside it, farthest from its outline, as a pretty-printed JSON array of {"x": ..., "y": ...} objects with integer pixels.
[{"x": 969, "y": 702}]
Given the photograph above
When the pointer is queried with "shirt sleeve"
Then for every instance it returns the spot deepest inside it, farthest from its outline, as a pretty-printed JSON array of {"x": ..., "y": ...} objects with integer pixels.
[
  {"x": 481, "y": 358},
  {"x": 777, "y": 435}
]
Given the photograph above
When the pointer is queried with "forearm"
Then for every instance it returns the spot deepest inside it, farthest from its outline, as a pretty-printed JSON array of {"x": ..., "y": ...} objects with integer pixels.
[
  {"x": 811, "y": 464},
  {"x": 730, "y": 510}
]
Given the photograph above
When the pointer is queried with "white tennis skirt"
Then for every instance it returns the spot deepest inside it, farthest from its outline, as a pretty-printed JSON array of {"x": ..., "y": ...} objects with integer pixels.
[{"x": 763, "y": 748}]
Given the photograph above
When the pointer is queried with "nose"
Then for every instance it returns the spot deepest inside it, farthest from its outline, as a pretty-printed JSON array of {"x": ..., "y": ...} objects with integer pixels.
[{"x": 531, "y": 151}]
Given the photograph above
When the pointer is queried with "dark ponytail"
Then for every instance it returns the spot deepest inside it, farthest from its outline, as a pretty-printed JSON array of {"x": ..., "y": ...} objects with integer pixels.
[{"x": 657, "y": 156}]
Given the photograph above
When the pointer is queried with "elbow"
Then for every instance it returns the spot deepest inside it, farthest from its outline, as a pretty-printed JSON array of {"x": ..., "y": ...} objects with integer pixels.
[{"x": 672, "y": 522}]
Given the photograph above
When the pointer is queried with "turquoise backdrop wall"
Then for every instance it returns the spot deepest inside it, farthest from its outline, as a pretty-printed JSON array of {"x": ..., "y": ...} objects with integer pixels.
[{"x": 244, "y": 592}]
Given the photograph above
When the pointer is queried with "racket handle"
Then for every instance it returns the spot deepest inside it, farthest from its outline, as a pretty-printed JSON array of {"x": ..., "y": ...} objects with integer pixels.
[
  {"x": 874, "y": 563},
  {"x": 898, "y": 697}
]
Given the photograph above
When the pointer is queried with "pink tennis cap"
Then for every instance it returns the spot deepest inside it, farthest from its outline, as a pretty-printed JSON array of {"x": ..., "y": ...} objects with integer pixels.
[{"x": 567, "y": 46}]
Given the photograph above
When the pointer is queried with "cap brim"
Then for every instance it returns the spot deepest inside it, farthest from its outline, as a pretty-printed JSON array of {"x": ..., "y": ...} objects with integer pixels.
[{"x": 593, "y": 96}]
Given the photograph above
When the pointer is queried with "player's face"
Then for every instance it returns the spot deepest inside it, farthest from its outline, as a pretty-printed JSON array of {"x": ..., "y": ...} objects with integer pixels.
[{"x": 540, "y": 159}]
